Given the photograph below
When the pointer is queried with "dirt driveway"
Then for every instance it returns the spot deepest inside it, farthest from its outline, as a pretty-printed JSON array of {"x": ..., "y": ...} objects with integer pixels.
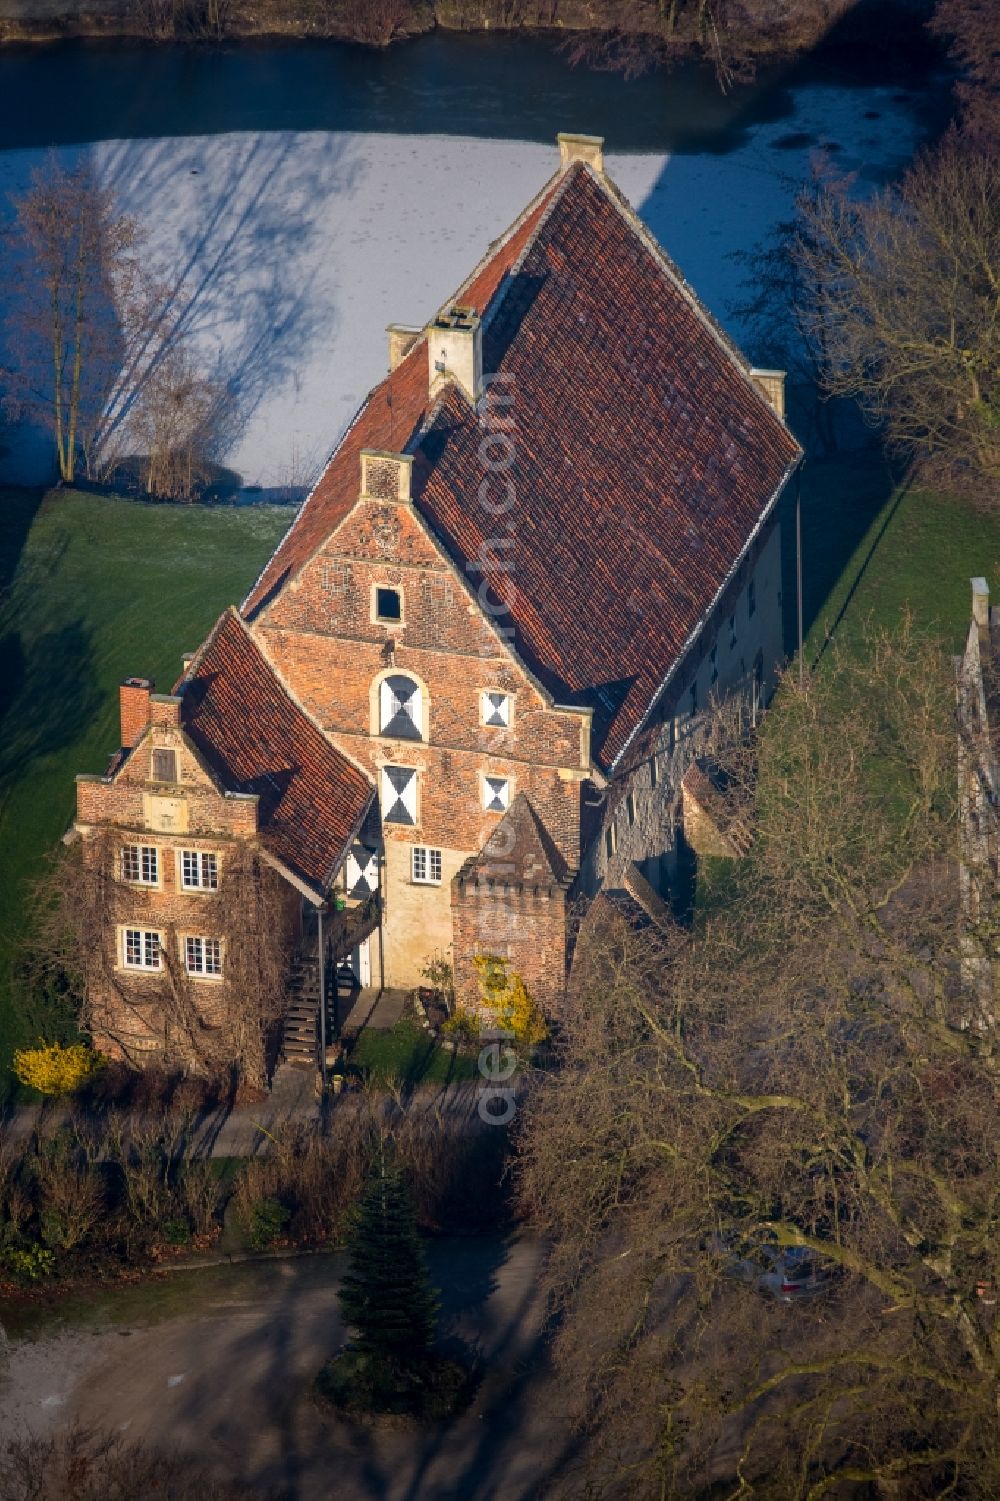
[{"x": 219, "y": 1363}]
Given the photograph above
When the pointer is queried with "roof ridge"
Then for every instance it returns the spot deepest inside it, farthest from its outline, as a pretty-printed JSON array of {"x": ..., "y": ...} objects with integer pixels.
[
  {"x": 561, "y": 180},
  {"x": 495, "y": 246},
  {"x": 199, "y": 655},
  {"x": 673, "y": 272}
]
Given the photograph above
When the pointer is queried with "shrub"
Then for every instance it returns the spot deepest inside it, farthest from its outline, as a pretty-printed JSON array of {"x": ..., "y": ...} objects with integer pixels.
[
  {"x": 176, "y": 1232},
  {"x": 70, "y": 1190},
  {"x": 267, "y": 1219},
  {"x": 29, "y": 1263},
  {"x": 509, "y": 1000},
  {"x": 317, "y": 1178},
  {"x": 441, "y": 977},
  {"x": 55, "y": 1069},
  {"x": 462, "y": 1026},
  {"x": 87, "y": 1465}
]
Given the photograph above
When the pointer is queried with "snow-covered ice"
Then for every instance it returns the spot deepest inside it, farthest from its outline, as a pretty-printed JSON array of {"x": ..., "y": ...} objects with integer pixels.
[{"x": 290, "y": 252}]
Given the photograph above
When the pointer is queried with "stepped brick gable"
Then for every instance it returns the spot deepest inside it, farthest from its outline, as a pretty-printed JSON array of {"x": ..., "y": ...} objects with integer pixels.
[{"x": 463, "y": 692}]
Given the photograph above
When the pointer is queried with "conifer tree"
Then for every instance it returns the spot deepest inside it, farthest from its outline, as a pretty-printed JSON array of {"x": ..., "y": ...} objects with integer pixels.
[{"x": 387, "y": 1298}]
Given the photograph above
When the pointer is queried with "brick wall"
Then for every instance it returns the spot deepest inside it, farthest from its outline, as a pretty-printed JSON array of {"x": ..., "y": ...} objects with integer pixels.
[
  {"x": 130, "y": 1007},
  {"x": 526, "y": 925},
  {"x": 326, "y": 643}
]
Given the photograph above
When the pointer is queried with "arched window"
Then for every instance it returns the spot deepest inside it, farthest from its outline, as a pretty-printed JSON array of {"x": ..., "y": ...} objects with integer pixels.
[{"x": 400, "y": 708}]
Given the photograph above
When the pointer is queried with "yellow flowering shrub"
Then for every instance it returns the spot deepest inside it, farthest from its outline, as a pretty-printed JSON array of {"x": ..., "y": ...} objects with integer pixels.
[
  {"x": 507, "y": 996},
  {"x": 52, "y": 1068}
]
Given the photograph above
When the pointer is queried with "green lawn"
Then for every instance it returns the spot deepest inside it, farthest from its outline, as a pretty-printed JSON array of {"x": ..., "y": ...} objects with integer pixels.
[
  {"x": 408, "y": 1055},
  {"x": 94, "y": 589},
  {"x": 912, "y": 548}
]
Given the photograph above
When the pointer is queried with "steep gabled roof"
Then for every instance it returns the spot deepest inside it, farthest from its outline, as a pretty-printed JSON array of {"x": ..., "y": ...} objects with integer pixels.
[
  {"x": 645, "y": 459},
  {"x": 518, "y": 852},
  {"x": 256, "y": 738}
]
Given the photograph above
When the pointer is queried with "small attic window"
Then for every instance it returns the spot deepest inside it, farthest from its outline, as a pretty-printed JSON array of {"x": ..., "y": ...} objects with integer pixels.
[
  {"x": 388, "y": 605},
  {"x": 164, "y": 766}
]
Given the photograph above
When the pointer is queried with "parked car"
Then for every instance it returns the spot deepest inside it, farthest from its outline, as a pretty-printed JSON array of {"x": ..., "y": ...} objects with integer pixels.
[{"x": 791, "y": 1274}]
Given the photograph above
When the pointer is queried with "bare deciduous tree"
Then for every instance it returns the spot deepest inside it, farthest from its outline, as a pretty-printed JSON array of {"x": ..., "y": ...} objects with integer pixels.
[
  {"x": 803, "y": 1068},
  {"x": 77, "y": 905},
  {"x": 175, "y": 422},
  {"x": 77, "y": 271},
  {"x": 902, "y": 296},
  {"x": 89, "y": 1465},
  {"x": 971, "y": 27}
]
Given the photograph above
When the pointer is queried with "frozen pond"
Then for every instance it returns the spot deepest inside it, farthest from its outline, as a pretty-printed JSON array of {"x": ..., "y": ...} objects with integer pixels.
[{"x": 300, "y": 198}]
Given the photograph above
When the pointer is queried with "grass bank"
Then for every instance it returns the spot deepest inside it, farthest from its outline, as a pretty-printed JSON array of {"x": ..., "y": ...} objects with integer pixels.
[
  {"x": 872, "y": 550},
  {"x": 94, "y": 588},
  {"x": 406, "y": 1055}
]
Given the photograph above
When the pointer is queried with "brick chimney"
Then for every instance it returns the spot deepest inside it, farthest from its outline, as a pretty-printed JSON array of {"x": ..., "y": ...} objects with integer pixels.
[
  {"x": 402, "y": 337},
  {"x": 455, "y": 351},
  {"x": 574, "y": 148},
  {"x": 133, "y": 703},
  {"x": 771, "y": 384}
]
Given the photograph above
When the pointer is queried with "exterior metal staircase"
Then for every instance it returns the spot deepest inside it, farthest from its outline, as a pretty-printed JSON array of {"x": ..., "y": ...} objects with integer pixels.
[{"x": 344, "y": 930}]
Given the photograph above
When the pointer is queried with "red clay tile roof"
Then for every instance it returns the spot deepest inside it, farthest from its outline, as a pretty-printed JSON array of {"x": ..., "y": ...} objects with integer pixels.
[
  {"x": 644, "y": 456},
  {"x": 644, "y": 459},
  {"x": 256, "y": 738}
]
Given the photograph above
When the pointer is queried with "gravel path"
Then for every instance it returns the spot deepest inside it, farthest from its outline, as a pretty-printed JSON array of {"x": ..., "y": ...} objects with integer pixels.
[{"x": 230, "y": 1381}]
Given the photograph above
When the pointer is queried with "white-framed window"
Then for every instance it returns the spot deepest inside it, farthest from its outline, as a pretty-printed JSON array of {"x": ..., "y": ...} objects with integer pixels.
[
  {"x": 141, "y": 864},
  {"x": 495, "y": 709},
  {"x": 425, "y": 865},
  {"x": 399, "y": 794},
  {"x": 141, "y": 948},
  {"x": 199, "y": 870},
  {"x": 388, "y": 604},
  {"x": 203, "y": 956},
  {"x": 400, "y": 707},
  {"x": 654, "y": 771},
  {"x": 496, "y": 794},
  {"x": 164, "y": 765}
]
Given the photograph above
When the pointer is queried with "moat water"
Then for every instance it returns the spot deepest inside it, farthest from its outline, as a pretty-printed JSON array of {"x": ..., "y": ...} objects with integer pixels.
[{"x": 444, "y": 83}]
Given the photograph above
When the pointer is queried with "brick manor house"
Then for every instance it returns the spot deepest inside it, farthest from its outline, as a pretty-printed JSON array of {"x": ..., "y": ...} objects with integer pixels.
[{"x": 464, "y": 689}]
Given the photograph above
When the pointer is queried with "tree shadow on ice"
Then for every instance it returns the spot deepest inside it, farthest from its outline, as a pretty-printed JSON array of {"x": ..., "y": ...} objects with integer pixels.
[{"x": 236, "y": 226}]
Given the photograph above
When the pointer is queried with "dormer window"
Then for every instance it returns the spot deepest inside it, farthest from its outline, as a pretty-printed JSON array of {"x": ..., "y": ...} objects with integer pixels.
[
  {"x": 388, "y": 606},
  {"x": 164, "y": 767},
  {"x": 495, "y": 708},
  {"x": 400, "y": 708}
]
